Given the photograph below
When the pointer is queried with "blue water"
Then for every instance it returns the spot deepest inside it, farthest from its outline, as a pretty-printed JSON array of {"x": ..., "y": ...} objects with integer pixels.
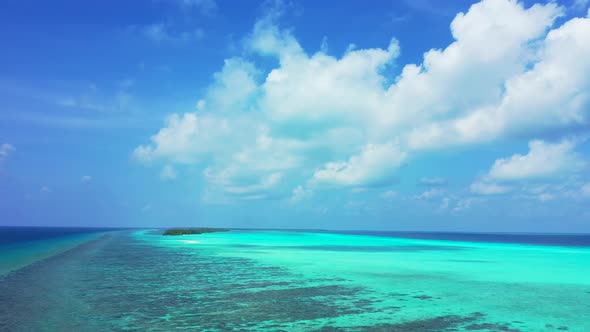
[
  {"x": 76, "y": 279},
  {"x": 22, "y": 246},
  {"x": 12, "y": 234},
  {"x": 568, "y": 240}
]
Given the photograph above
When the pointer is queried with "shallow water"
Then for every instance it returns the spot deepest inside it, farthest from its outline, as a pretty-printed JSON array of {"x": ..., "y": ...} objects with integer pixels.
[{"x": 296, "y": 281}]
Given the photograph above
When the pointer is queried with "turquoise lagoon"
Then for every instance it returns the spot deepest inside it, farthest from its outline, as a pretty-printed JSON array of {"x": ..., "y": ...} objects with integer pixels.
[{"x": 300, "y": 281}]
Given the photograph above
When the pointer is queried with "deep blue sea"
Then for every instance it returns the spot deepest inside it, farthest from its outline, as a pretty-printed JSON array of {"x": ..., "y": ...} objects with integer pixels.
[
  {"x": 16, "y": 234},
  {"x": 13, "y": 234},
  {"x": 22, "y": 246}
]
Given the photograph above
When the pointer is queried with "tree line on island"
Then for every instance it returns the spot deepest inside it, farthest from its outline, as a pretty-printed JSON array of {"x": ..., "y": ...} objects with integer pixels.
[{"x": 189, "y": 231}]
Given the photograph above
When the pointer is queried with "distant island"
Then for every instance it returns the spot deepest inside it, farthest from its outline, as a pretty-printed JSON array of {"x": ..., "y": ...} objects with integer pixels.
[{"x": 189, "y": 231}]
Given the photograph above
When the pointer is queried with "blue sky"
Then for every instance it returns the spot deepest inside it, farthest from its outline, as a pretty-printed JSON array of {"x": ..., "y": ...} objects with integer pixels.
[{"x": 401, "y": 115}]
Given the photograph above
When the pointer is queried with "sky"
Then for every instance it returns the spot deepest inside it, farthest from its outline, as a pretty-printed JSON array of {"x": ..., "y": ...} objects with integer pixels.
[{"x": 389, "y": 115}]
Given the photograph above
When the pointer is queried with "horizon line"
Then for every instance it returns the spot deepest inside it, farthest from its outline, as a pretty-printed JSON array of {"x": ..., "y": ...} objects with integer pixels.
[{"x": 302, "y": 229}]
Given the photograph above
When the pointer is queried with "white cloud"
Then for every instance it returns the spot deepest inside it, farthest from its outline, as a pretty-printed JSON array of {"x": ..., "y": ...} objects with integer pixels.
[
  {"x": 265, "y": 184},
  {"x": 542, "y": 160},
  {"x": 428, "y": 194},
  {"x": 168, "y": 173},
  {"x": 186, "y": 138},
  {"x": 371, "y": 167},
  {"x": 552, "y": 94},
  {"x": 487, "y": 188},
  {"x": 331, "y": 120},
  {"x": 238, "y": 185},
  {"x": 323, "y": 91},
  {"x": 234, "y": 87},
  {"x": 470, "y": 74},
  {"x": 585, "y": 190},
  {"x": 86, "y": 179},
  {"x": 6, "y": 150}
]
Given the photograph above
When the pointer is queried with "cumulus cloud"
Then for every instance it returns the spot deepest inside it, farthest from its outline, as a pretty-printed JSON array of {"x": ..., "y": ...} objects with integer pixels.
[
  {"x": 330, "y": 121},
  {"x": 543, "y": 160},
  {"x": 372, "y": 166},
  {"x": 554, "y": 94},
  {"x": 235, "y": 184},
  {"x": 186, "y": 138}
]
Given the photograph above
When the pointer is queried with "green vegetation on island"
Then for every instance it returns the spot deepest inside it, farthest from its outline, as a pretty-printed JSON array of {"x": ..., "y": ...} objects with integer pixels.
[{"x": 189, "y": 231}]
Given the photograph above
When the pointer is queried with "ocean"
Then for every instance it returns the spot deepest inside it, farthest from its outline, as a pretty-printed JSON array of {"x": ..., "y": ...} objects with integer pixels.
[
  {"x": 272, "y": 280},
  {"x": 22, "y": 246}
]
